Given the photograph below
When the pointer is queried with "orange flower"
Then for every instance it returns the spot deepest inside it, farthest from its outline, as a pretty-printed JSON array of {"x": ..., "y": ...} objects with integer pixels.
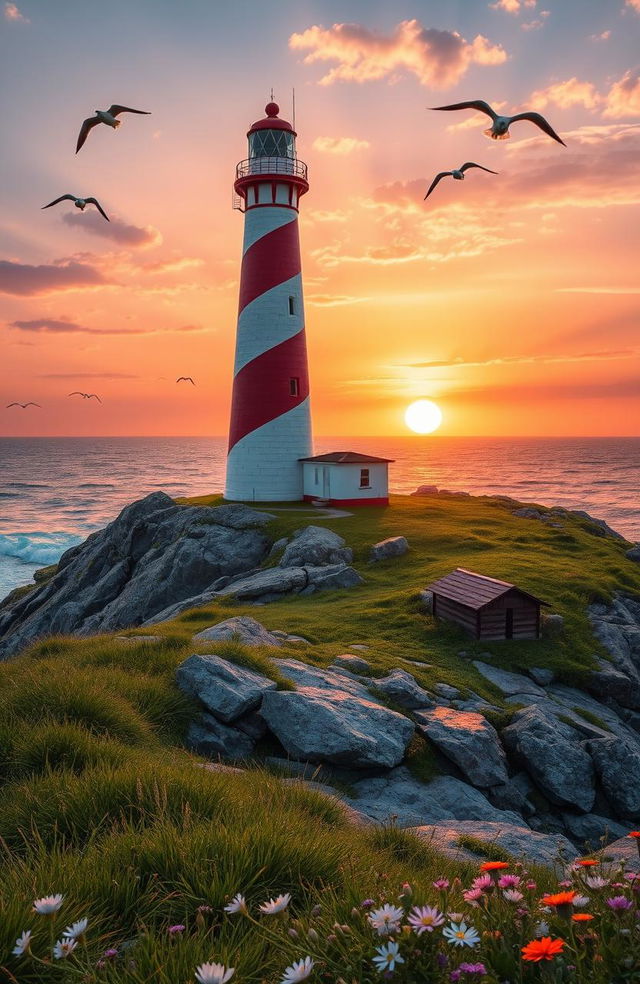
[
  {"x": 581, "y": 917},
  {"x": 634, "y": 833},
  {"x": 586, "y": 862},
  {"x": 544, "y": 949},
  {"x": 562, "y": 898},
  {"x": 494, "y": 865}
]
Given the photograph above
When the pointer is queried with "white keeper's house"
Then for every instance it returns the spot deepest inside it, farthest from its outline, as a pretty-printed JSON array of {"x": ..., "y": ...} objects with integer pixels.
[{"x": 346, "y": 478}]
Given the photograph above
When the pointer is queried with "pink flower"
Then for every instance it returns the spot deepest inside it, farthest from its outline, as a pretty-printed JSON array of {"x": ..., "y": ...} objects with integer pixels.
[
  {"x": 513, "y": 895},
  {"x": 441, "y": 884},
  {"x": 619, "y": 903},
  {"x": 565, "y": 884},
  {"x": 472, "y": 895},
  {"x": 531, "y": 885},
  {"x": 509, "y": 881},
  {"x": 176, "y": 930},
  {"x": 111, "y": 953},
  {"x": 484, "y": 882},
  {"x": 425, "y": 919}
]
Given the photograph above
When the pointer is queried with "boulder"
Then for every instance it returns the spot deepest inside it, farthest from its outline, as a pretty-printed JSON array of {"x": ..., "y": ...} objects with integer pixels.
[
  {"x": 242, "y": 628},
  {"x": 632, "y": 554},
  {"x": 228, "y": 691},
  {"x": 271, "y": 583},
  {"x": 515, "y": 795},
  {"x": 625, "y": 851},
  {"x": 332, "y": 577},
  {"x": 322, "y": 725},
  {"x": 447, "y": 691},
  {"x": 551, "y": 625},
  {"x": 618, "y": 766},
  {"x": 355, "y": 664},
  {"x": 469, "y": 741},
  {"x": 588, "y": 828},
  {"x": 315, "y": 546},
  {"x": 212, "y": 738},
  {"x": 521, "y": 842},
  {"x": 508, "y": 683},
  {"x": 393, "y": 546},
  {"x": 542, "y": 676},
  {"x": 527, "y": 512},
  {"x": 403, "y": 689},
  {"x": 596, "y": 526},
  {"x": 612, "y": 684},
  {"x": 426, "y": 490},
  {"x": 426, "y": 601},
  {"x": 550, "y": 752}
]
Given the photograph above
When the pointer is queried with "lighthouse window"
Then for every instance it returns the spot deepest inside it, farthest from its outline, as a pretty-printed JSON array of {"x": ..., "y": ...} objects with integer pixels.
[
  {"x": 292, "y": 305},
  {"x": 294, "y": 386},
  {"x": 364, "y": 479}
]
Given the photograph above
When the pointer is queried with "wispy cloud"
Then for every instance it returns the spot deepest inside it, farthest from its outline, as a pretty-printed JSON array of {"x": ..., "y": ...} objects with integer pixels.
[
  {"x": 634, "y": 4},
  {"x": 26, "y": 280},
  {"x": 623, "y": 98},
  {"x": 14, "y": 15},
  {"x": 537, "y": 22},
  {"x": 603, "y": 36},
  {"x": 437, "y": 58},
  {"x": 64, "y": 326},
  {"x": 522, "y": 360},
  {"x": 339, "y": 145},
  {"x": 571, "y": 92},
  {"x": 87, "y": 375},
  {"x": 513, "y": 6},
  {"x": 335, "y": 300},
  {"x": 598, "y": 290},
  {"x": 117, "y": 230}
]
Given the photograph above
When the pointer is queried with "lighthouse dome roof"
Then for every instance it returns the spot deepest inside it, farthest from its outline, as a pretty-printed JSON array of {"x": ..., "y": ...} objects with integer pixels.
[{"x": 271, "y": 121}]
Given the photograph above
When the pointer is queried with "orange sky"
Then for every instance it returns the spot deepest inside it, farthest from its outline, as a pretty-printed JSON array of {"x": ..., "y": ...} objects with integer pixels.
[{"x": 512, "y": 300}]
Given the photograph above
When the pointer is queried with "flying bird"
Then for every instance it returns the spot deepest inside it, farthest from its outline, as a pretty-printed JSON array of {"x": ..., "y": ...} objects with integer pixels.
[
  {"x": 107, "y": 116},
  {"x": 23, "y": 405},
  {"x": 457, "y": 174},
  {"x": 86, "y": 396},
  {"x": 187, "y": 379},
  {"x": 499, "y": 129},
  {"x": 80, "y": 203}
]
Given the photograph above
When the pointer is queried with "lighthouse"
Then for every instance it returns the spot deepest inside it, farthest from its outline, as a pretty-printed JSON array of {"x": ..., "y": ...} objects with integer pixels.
[{"x": 270, "y": 427}]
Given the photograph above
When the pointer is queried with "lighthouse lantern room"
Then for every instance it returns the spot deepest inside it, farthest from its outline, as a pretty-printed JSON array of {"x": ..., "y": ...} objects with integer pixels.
[{"x": 270, "y": 428}]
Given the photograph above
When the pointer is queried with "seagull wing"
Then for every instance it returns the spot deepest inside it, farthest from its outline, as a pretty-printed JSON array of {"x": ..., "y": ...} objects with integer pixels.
[
  {"x": 540, "y": 122},
  {"x": 13, "y": 405},
  {"x": 85, "y": 128},
  {"x": 438, "y": 177},
  {"x": 75, "y": 393},
  {"x": 62, "y": 198},
  {"x": 478, "y": 104},
  {"x": 115, "y": 110},
  {"x": 95, "y": 395},
  {"x": 94, "y": 201},
  {"x": 31, "y": 404},
  {"x": 465, "y": 167}
]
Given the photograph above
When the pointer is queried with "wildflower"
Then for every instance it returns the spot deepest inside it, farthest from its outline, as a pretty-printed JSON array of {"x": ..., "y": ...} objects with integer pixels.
[
  {"x": 469, "y": 968},
  {"x": 544, "y": 949},
  {"x": 386, "y": 920},
  {"x": 531, "y": 886},
  {"x": 580, "y": 901},
  {"x": 542, "y": 929},
  {"x": 512, "y": 895},
  {"x": 442, "y": 884},
  {"x": 635, "y": 834},
  {"x": 596, "y": 881},
  {"x": 317, "y": 911},
  {"x": 22, "y": 944},
  {"x": 581, "y": 917},
  {"x": 47, "y": 905},
  {"x": 459, "y": 934},
  {"x": 585, "y": 863},
  {"x": 562, "y": 901},
  {"x": 455, "y": 976},
  {"x": 237, "y": 904},
  {"x": 388, "y": 957},
  {"x": 619, "y": 903},
  {"x": 425, "y": 919},
  {"x": 214, "y": 973},
  {"x": 485, "y": 883},
  {"x": 472, "y": 895},
  {"x": 298, "y": 971},
  {"x": 76, "y": 929},
  {"x": 406, "y": 891},
  {"x": 311, "y": 933},
  {"x": 455, "y": 916},
  {"x": 273, "y": 906},
  {"x": 493, "y": 866},
  {"x": 509, "y": 881},
  {"x": 176, "y": 930},
  {"x": 64, "y": 948},
  {"x": 111, "y": 953},
  {"x": 367, "y": 903},
  {"x": 293, "y": 933}
]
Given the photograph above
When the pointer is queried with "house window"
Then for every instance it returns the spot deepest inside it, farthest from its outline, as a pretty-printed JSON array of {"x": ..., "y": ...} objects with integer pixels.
[
  {"x": 364, "y": 479},
  {"x": 294, "y": 386},
  {"x": 292, "y": 305},
  {"x": 316, "y": 476}
]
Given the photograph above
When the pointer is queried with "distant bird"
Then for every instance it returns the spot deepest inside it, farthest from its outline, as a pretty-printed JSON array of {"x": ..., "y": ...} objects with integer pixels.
[
  {"x": 187, "y": 379},
  {"x": 499, "y": 129},
  {"x": 80, "y": 203},
  {"x": 107, "y": 116},
  {"x": 86, "y": 396},
  {"x": 457, "y": 174},
  {"x": 23, "y": 405}
]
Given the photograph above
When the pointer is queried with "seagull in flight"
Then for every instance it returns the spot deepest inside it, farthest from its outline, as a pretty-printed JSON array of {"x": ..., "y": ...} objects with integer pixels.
[
  {"x": 107, "y": 116},
  {"x": 23, "y": 405},
  {"x": 80, "y": 203},
  {"x": 457, "y": 174},
  {"x": 187, "y": 379},
  {"x": 86, "y": 396},
  {"x": 499, "y": 129}
]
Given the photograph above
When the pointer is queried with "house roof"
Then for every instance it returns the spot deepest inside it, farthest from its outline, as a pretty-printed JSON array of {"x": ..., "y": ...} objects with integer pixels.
[
  {"x": 348, "y": 458},
  {"x": 475, "y": 590}
]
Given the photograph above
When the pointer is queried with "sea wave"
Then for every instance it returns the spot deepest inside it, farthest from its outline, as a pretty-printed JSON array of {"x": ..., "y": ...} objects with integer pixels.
[{"x": 37, "y": 547}]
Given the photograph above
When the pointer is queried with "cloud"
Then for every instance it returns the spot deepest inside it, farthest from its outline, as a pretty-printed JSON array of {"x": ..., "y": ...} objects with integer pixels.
[
  {"x": 634, "y": 4},
  {"x": 64, "y": 326},
  {"x": 26, "y": 280},
  {"x": 322, "y": 215},
  {"x": 173, "y": 266},
  {"x": 512, "y": 6},
  {"x": 437, "y": 58},
  {"x": 623, "y": 98},
  {"x": 339, "y": 145},
  {"x": 521, "y": 360},
  {"x": 14, "y": 15},
  {"x": 537, "y": 23},
  {"x": 520, "y": 393},
  {"x": 603, "y": 36},
  {"x": 571, "y": 92},
  {"x": 598, "y": 290},
  {"x": 120, "y": 232},
  {"x": 87, "y": 375},
  {"x": 334, "y": 300}
]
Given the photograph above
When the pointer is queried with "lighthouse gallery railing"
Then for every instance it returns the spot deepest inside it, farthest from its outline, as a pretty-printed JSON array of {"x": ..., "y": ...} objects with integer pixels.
[{"x": 272, "y": 165}]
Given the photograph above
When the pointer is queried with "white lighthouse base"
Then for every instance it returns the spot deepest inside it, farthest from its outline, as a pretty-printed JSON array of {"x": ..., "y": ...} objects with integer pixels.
[{"x": 264, "y": 465}]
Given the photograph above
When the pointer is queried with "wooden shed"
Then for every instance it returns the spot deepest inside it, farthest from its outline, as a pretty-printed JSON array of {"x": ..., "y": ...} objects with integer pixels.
[{"x": 486, "y": 607}]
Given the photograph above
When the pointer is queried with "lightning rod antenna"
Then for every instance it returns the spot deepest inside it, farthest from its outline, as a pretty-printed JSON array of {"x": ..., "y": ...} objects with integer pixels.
[{"x": 293, "y": 103}]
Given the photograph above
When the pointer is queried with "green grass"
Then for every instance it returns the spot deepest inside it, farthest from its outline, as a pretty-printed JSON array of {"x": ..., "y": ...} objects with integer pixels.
[{"x": 487, "y": 850}]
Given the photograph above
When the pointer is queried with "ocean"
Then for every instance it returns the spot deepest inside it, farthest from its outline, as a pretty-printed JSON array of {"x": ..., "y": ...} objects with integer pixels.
[{"x": 55, "y": 491}]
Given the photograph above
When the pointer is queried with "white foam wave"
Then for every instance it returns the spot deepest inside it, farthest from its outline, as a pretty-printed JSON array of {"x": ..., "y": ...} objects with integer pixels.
[{"x": 37, "y": 547}]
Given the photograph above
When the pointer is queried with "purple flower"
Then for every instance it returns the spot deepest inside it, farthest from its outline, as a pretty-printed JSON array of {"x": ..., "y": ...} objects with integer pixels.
[
  {"x": 455, "y": 975},
  {"x": 441, "y": 883},
  {"x": 476, "y": 968},
  {"x": 442, "y": 960},
  {"x": 619, "y": 902},
  {"x": 367, "y": 903},
  {"x": 176, "y": 930},
  {"x": 111, "y": 953}
]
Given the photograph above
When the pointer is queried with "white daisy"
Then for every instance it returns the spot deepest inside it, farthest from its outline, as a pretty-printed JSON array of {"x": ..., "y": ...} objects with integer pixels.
[
  {"x": 580, "y": 901},
  {"x": 513, "y": 895},
  {"x": 298, "y": 971},
  {"x": 76, "y": 929},
  {"x": 22, "y": 944},
  {"x": 386, "y": 920},
  {"x": 238, "y": 904},
  {"x": 275, "y": 905},
  {"x": 214, "y": 973},
  {"x": 48, "y": 904},
  {"x": 459, "y": 934},
  {"x": 388, "y": 957},
  {"x": 64, "y": 949}
]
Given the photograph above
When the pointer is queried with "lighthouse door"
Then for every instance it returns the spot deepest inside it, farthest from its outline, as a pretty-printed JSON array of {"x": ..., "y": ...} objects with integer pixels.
[{"x": 326, "y": 484}]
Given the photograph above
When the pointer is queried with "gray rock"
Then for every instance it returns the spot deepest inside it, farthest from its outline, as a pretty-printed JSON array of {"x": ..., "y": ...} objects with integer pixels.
[
  {"x": 322, "y": 725},
  {"x": 551, "y": 625},
  {"x": 333, "y": 576},
  {"x": 617, "y": 626},
  {"x": 447, "y": 691},
  {"x": 315, "y": 546},
  {"x": 522, "y": 842},
  {"x": 508, "y": 683},
  {"x": 469, "y": 741},
  {"x": 548, "y": 749},
  {"x": 597, "y": 526},
  {"x": 515, "y": 795},
  {"x": 226, "y": 690},
  {"x": 625, "y": 850},
  {"x": 527, "y": 512},
  {"x": 212, "y": 738},
  {"x": 359, "y": 646},
  {"x": 278, "y": 546},
  {"x": 252, "y": 724},
  {"x": 426, "y": 600},
  {"x": 403, "y": 689},
  {"x": 272, "y": 582},
  {"x": 542, "y": 676},
  {"x": 242, "y": 628},
  {"x": 393, "y": 546},
  {"x": 355, "y": 664},
  {"x": 426, "y": 490},
  {"x": 618, "y": 766},
  {"x": 634, "y": 553},
  {"x": 237, "y": 516},
  {"x": 612, "y": 684},
  {"x": 592, "y": 829}
]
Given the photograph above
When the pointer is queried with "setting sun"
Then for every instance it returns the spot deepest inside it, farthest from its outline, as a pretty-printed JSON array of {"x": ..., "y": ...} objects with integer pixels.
[{"x": 423, "y": 416}]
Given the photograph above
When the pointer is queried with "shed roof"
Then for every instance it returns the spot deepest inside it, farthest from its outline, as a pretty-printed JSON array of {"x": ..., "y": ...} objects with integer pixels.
[
  {"x": 475, "y": 590},
  {"x": 348, "y": 458}
]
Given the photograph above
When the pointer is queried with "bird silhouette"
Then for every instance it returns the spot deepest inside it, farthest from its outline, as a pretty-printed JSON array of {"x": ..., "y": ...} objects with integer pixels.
[
  {"x": 80, "y": 203},
  {"x": 499, "y": 129},
  {"x": 186, "y": 379},
  {"x": 86, "y": 396},
  {"x": 457, "y": 174},
  {"x": 23, "y": 405},
  {"x": 107, "y": 116}
]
